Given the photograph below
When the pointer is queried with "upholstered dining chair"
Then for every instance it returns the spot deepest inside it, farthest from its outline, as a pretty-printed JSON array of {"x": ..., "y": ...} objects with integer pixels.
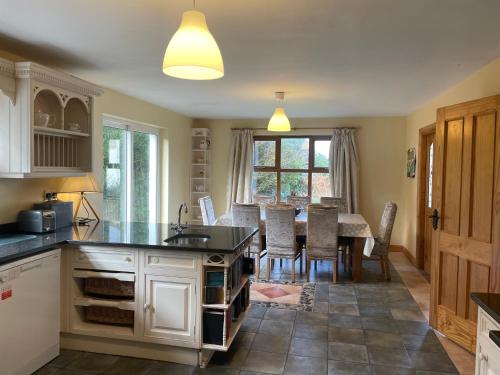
[
  {"x": 322, "y": 231},
  {"x": 281, "y": 236},
  {"x": 207, "y": 211},
  {"x": 298, "y": 202},
  {"x": 248, "y": 215},
  {"x": 383, "y": 238},
  {"x": 339, "y": 202}
]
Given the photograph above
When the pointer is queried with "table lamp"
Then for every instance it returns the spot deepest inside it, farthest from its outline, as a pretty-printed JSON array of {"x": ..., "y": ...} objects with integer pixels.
[{"x": 82, "y": 186}]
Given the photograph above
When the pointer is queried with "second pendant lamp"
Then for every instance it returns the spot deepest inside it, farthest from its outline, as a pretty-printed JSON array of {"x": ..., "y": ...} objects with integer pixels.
[
  {"x": 279, "y": 121},
  {"x": 193, "y": 53}
]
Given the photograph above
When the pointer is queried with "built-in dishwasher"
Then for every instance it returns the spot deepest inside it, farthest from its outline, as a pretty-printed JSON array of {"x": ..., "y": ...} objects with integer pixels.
[{"x": 29, "y": 313}]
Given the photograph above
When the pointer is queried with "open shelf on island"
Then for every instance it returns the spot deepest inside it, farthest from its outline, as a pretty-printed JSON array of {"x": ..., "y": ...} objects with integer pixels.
[
  {"x": 224, "y": 306},
  {"x": 235, "y": 327}
]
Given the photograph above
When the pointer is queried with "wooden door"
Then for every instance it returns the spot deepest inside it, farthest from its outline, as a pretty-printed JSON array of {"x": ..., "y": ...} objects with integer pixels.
[
  {"x": 429, "y": 207},
  {"x": 170, "y": 308},
  {"x": 466, "y": 193}
]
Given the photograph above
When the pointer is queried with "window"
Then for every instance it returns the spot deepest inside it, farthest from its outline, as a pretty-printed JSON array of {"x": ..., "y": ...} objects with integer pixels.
[
  {"x": 130, "y": 171},
  {"x": 291, "y": 165}
]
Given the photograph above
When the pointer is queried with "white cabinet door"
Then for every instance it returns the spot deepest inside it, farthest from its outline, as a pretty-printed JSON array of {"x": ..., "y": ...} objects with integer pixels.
[{"x": 170, "y": 308}]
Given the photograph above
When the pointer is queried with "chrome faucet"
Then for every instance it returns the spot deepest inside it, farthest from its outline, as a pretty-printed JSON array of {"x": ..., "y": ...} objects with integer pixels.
[{"x": 178, "y": 228}]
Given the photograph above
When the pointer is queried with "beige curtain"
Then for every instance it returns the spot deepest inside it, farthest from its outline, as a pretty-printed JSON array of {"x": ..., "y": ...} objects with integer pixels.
[
  {"x": 344, "y": 168},
  {"x": 239, "y": 185}
]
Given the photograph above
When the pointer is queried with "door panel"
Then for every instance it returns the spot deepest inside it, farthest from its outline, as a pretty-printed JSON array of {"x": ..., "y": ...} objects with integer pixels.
[
  {"x": 465, "y": 187},
  {"x": 429, "y": 207},
  {"x": 170, "y": 308}
]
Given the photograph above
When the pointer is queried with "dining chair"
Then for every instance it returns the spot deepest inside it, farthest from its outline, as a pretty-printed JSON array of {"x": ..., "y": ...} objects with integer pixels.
[
  {"x": 263, "y": 200},
  {"x": 344, "y": 243},
  {"x": 322, "y": 236},
  {"x": 248, "y": 215},
  {"x": 207, "y": 211},
  {"x": 281, "y": 239},
  {"x": 339, "y": 202},
  {"x": 299, "y": 202},
  {"x": 383, "y": 239}
]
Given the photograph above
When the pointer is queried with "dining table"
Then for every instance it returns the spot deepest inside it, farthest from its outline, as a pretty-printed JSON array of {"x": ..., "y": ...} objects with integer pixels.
[{"x": 352, "y": 226}]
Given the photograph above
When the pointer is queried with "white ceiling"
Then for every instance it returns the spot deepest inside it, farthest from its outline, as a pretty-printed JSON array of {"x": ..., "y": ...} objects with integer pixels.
[{"x": 332, "y": 57}]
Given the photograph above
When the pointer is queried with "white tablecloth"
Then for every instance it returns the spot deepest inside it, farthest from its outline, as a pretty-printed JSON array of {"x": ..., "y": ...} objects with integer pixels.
[{"x": 350, "y": 225}]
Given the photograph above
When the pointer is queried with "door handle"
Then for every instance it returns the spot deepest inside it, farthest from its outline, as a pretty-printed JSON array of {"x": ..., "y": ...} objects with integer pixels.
[{"x": 435, "y": 219}]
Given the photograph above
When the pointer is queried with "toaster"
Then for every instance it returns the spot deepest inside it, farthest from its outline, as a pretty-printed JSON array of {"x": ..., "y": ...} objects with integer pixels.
[
  {"x": 63, "y": 210},
  {"x": 37, "y": 221}
]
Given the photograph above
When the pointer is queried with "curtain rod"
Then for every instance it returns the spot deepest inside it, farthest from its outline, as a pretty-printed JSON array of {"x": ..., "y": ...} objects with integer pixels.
[{"x": 339, "y": 127}]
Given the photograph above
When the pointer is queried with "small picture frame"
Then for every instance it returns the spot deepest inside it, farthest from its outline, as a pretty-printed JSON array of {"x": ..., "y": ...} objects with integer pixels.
[{"x": 411, "y": 163}]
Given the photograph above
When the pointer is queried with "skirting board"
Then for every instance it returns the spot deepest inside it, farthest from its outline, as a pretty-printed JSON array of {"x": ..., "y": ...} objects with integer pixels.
[
  {"x": 186, "y": 356},
  {"x": 404, "y": 250}
]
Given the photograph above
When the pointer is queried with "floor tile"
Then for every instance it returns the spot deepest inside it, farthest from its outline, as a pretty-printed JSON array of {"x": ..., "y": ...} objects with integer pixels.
[
  {"x": 427, "y": 343},
  {"x": 347, "y": 368},
  {"x": 271, "y": 363},
  {"x": 311, "y": 332},
  {"x": 346, "y": 335},
  {"x": 408, "y": 314},
  {"x": 296, "y": 365},
  {"x": 244, "y": 339},
  {"x": 216, "y": 371},
  {"x": 377, "y": 311},
  {"x": 390, "y": 370},
  {"x": 347, "y": 352},
  {"x": 379, "y": 324},
  {"x": 250, "y": 325},
  {"x": 257, "y": 311},
  {"x": 312, "y": 318},
  {"x": 344, "y": 309},
  {"x": 276, "y": 327},
  {"x": 280, "y": 314},
  {"x": 234, "y": 357},
  {"x": 333, "y": 298},
  {"x": 161, "y": 368},
  {"x": 377, "y": 339},
  {"x": 64, "y": 358},
  {"x": 309, "y": 348},
  {"x": 389, "y": 357},
  {"x": 412, "y": 328},
  {"x": 244, "y": 372},
  {"x": 321, "y": 307},
  {"x": 271, "y": 343},
  {"x": 92, "y": 363},
  {"x": 431, "y": 361},
  {"x": 129, "y": 366},
  {"x": 345, "y": 321}
]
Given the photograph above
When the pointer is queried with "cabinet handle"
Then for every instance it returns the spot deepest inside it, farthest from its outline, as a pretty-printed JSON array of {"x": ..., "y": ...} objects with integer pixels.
[
  {"x": 82, "y": 256},
  {"x": 4, "y": 279},
  {"x": 483, "y": 357},
  {"x": 147, "y": 307},
  {"x": 128, "y": 259}
]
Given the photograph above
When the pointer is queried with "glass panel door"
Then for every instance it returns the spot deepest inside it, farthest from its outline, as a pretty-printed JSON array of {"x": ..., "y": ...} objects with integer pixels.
[{"x": 114, "y": 174}]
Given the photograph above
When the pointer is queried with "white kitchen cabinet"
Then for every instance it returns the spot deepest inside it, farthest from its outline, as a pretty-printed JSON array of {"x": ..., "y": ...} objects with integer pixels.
[
  {"x": 45, "y": 122},
  {"x": 170, "y": 308},
  {"x": 487, "y": 352}
]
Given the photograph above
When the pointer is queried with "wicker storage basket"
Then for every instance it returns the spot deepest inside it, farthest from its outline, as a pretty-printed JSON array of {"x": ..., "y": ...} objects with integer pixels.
[
  {"x": 102, "y": 287},
  {"x": 109, "y": 315}
]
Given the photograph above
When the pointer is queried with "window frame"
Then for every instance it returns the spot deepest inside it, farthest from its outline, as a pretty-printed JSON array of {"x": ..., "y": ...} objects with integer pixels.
[
  {"x": 130, "y": 126},
  {"x": 277, "y": 159}
]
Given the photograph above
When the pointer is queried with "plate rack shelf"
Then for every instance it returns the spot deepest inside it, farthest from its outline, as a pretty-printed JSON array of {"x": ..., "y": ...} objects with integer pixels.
[{"x": 200, "y": 171}]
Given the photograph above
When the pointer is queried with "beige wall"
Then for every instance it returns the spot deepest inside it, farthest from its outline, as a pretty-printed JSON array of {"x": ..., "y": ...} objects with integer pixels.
[
  {"x": 380, "y": 141},
  {"x": 484, "y": 82},
  {"x": 18, "y": 194}
]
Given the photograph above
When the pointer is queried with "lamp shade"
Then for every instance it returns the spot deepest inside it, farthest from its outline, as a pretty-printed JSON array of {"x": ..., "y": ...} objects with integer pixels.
[
  {"x": 193, "y": 53},
  {"x": 279, "y": 122},
  {"x": 85, "y": 184}
]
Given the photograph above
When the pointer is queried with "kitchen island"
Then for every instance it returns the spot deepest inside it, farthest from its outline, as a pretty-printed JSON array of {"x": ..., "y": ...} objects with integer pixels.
[{"x": 145, "y": 290}]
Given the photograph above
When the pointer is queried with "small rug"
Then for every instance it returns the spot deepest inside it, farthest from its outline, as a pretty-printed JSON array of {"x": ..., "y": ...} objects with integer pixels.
[{"x": 283, "y": 295}]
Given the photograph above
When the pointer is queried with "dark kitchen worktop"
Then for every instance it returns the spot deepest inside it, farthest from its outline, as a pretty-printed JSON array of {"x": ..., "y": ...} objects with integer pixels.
[
  {"x": 489, "y": 302},
  {"x": 128, "y": 234}
]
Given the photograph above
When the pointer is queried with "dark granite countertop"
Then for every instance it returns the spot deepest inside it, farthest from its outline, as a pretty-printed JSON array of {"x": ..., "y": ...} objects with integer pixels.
[
  {"x": 129, "y": 234},
  {"x": 489, "y": 302},
  {"x": 495, "y": 337}
]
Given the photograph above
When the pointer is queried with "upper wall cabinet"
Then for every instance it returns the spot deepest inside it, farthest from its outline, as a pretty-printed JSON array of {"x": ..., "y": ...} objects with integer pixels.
[{"x": 45, "y": 122}]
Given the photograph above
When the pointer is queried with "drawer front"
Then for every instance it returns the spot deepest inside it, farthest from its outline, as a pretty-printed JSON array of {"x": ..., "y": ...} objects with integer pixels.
[
  {"x": 105, "y": 258},
  {"x": 171, "y": 261},
  {"x": 486, "y": 323}
]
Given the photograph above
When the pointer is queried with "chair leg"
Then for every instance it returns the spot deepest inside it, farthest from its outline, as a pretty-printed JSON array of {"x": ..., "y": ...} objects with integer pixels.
[
  {"x": 257, "y": 266},
  {"x": 272, "y": 263},
  {"x": 315, "y": 265},
  {"x": 387, "y": 269},
  {"x": 382, "y": 265},
  {"x": 281, "y": 263},
  {"x": 268, "y": 271},
  {"x": 348, "y": 258},
  {"x": 335, "y": 270},
  {"x": 293, "y": 269},
  {"x": 344, "y": 259},
  {"x": 300, "y": 260},
  {"x": 308, "y": 267}
]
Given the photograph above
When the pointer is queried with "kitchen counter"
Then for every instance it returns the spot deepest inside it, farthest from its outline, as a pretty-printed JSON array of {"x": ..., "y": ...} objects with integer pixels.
[
  {"x": 489, "y": 302},
  {"x": 129, "y": 234}
]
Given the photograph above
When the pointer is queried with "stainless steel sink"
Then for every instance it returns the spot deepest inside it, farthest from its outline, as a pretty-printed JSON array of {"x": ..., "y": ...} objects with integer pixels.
[{"x": 188, "y": 239}]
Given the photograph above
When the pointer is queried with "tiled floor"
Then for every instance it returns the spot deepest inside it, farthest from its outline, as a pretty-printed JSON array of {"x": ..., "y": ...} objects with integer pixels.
[{"x": 369, "y": 328}]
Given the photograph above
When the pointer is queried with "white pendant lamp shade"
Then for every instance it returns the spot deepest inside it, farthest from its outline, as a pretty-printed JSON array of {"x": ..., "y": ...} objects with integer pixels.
[
  {"x": 279, "y": 121},
  {"x": 193, "y": 53}
]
